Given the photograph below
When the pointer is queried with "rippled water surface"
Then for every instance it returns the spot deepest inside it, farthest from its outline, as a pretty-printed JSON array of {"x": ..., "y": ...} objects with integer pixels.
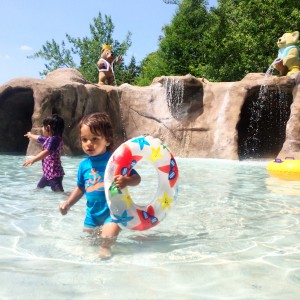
[{"x": 233, "y": 234}]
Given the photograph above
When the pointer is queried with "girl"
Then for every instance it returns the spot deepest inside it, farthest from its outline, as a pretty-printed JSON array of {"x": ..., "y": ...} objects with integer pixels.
[
  {"x": 96, "y": 136},
  {"x": 51, "y": 140}
]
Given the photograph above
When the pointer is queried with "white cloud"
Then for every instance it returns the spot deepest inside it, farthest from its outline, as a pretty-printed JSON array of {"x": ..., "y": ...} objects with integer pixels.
[
  {"x": 25, "y": 48},
  {"x": 4, "y": 56}
]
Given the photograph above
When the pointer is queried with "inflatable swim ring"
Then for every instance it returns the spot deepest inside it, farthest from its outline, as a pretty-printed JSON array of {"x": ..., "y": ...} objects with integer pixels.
[
  {"x": 123, "y": 209},
  {"x": 285, "y": 169}
]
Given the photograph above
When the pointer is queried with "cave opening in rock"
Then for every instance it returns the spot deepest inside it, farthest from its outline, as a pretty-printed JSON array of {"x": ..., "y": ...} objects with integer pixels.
[
  {"x": 16, "y": 111},
  {"x": 262, "y": 125}
]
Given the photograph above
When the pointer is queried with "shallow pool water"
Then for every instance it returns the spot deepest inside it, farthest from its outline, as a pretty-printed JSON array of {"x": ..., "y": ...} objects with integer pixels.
[{"x": 233, "y": 234}]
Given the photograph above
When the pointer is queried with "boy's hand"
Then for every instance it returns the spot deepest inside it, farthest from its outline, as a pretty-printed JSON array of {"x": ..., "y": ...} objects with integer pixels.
[
  {"x": 64, "y": 208},
  {"x": 120, "y": 181}
]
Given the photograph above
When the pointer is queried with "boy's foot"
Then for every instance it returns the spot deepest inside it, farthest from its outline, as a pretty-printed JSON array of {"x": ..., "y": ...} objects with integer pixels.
[{"x": 104, "y": 253}]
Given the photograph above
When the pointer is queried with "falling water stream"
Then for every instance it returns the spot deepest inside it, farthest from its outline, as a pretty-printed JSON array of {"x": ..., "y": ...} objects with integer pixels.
[
  {"x": 174, "y": 93},
  {"x": 271, "y": 107},
  {"x": 175, "y": 97}
]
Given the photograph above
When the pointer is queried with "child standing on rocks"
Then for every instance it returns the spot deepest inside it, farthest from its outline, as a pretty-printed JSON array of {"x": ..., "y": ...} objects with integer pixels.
[{"x": 51, "y": 140}]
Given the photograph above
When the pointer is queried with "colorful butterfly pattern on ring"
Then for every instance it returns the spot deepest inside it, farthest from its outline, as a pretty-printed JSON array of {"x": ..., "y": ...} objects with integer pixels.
[
  {"x": 147, "y": 219},
  {"x": 156, "y": 203},
  {"x": 125, "y": 161},
  {"x": 171, "y": 170}
]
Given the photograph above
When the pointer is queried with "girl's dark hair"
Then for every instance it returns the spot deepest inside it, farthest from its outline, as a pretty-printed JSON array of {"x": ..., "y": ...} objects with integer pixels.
[
  {"x": 56, "y": 124},
  {"x": 100, "y": 124}
]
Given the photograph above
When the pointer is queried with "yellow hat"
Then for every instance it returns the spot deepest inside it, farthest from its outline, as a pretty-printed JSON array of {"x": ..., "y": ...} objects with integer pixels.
[{"x": 106, "y": 47}]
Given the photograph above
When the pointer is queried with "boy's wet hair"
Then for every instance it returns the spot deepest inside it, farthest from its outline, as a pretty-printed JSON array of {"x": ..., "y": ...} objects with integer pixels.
[
  {"x": 56, "y": 124},
  {"x": 100, "y": 124}
]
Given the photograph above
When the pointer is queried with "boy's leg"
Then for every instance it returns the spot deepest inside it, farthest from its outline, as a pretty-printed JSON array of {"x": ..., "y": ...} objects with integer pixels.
[{"x": 109, "y": 236}]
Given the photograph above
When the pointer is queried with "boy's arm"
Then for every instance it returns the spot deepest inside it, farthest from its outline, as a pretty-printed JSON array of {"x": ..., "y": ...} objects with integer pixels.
[
  {"x": 122, "y": 181},
  {"x": 73, "y": 198}
]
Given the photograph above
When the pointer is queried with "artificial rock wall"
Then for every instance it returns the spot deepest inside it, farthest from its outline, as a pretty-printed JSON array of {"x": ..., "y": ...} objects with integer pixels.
[{"x": 257, "y": 117}]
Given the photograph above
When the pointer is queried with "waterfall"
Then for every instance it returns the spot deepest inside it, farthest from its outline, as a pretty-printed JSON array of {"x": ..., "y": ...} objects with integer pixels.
[
  {"x": 175, "y": 95},
  {"x": 256, "y": 114},
  {"x": 269, "y": 108},
  {"x": 174, "y": 92}
]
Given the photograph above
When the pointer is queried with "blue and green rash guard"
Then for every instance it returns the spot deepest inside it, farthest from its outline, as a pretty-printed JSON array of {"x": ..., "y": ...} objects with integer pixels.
[{"x": 90, "y": 177}]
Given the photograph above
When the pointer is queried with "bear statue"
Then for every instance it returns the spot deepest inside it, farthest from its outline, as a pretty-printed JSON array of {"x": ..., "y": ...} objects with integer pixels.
[
  {"x": 288, "y": 62},
  {"x": 106, "y": 65}
]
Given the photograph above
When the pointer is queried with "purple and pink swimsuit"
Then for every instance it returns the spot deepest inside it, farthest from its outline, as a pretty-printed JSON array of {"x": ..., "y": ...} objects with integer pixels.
[{"x": 52, "y": 167}]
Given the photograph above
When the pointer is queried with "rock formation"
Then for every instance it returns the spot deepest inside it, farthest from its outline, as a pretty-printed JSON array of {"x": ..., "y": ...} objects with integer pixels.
[
  {"x": 25, "y": 102},
  {"x": 256, "y": 117}
]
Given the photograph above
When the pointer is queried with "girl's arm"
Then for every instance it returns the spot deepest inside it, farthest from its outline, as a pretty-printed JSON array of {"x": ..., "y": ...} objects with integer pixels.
[
  {"x": 36, "y": 158},
  {"x": 122, "y": 181},
  {"x": 73, "y": 198},
  {"x": 32, "y": 136}
]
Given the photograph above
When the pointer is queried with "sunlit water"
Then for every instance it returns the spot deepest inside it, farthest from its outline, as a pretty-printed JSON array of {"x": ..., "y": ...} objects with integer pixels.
[{"x": 233, "y": 234}]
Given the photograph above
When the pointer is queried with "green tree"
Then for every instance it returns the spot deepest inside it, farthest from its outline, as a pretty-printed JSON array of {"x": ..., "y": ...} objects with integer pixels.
[
  {"x": 245, "y": 33},
  {"x": 181, "y": 48},
  {"x": 224, "y": 43},
  {"x": 128, "y": 73},
  {"x": 152, "y": 66},
  {"x": 83, "y": 53}
]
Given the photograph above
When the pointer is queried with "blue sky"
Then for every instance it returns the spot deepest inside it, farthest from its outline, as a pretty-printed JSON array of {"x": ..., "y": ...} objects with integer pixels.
[{"x": 25, "y": 25}]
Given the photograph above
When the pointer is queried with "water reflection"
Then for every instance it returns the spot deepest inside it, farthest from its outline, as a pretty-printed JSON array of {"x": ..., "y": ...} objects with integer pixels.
[{"x": 283, "y": 187}]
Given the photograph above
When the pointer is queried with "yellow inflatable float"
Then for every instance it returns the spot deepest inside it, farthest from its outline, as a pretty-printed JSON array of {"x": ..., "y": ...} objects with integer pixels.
[{"x": 288, "y": 169}]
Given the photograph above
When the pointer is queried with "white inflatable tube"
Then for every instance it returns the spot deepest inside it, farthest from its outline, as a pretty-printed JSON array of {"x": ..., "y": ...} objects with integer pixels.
[{"x": 122, "y": 207}]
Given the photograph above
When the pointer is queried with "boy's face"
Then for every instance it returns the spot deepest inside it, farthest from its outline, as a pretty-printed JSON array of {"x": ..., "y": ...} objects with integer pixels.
[{"x": 92, "y": 144}]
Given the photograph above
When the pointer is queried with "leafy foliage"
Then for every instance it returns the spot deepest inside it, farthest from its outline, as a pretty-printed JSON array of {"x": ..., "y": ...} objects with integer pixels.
[
  {"x": 223, "y": 43},
  {"x": 246, "y": 32},
  {"x": 180, "y": 47},
  {"x": 57, "y": 55},
  {"x": 152, "y": 66},
  {"x": 128, "y": 74},
  {"x": 86, "y": 50}
]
